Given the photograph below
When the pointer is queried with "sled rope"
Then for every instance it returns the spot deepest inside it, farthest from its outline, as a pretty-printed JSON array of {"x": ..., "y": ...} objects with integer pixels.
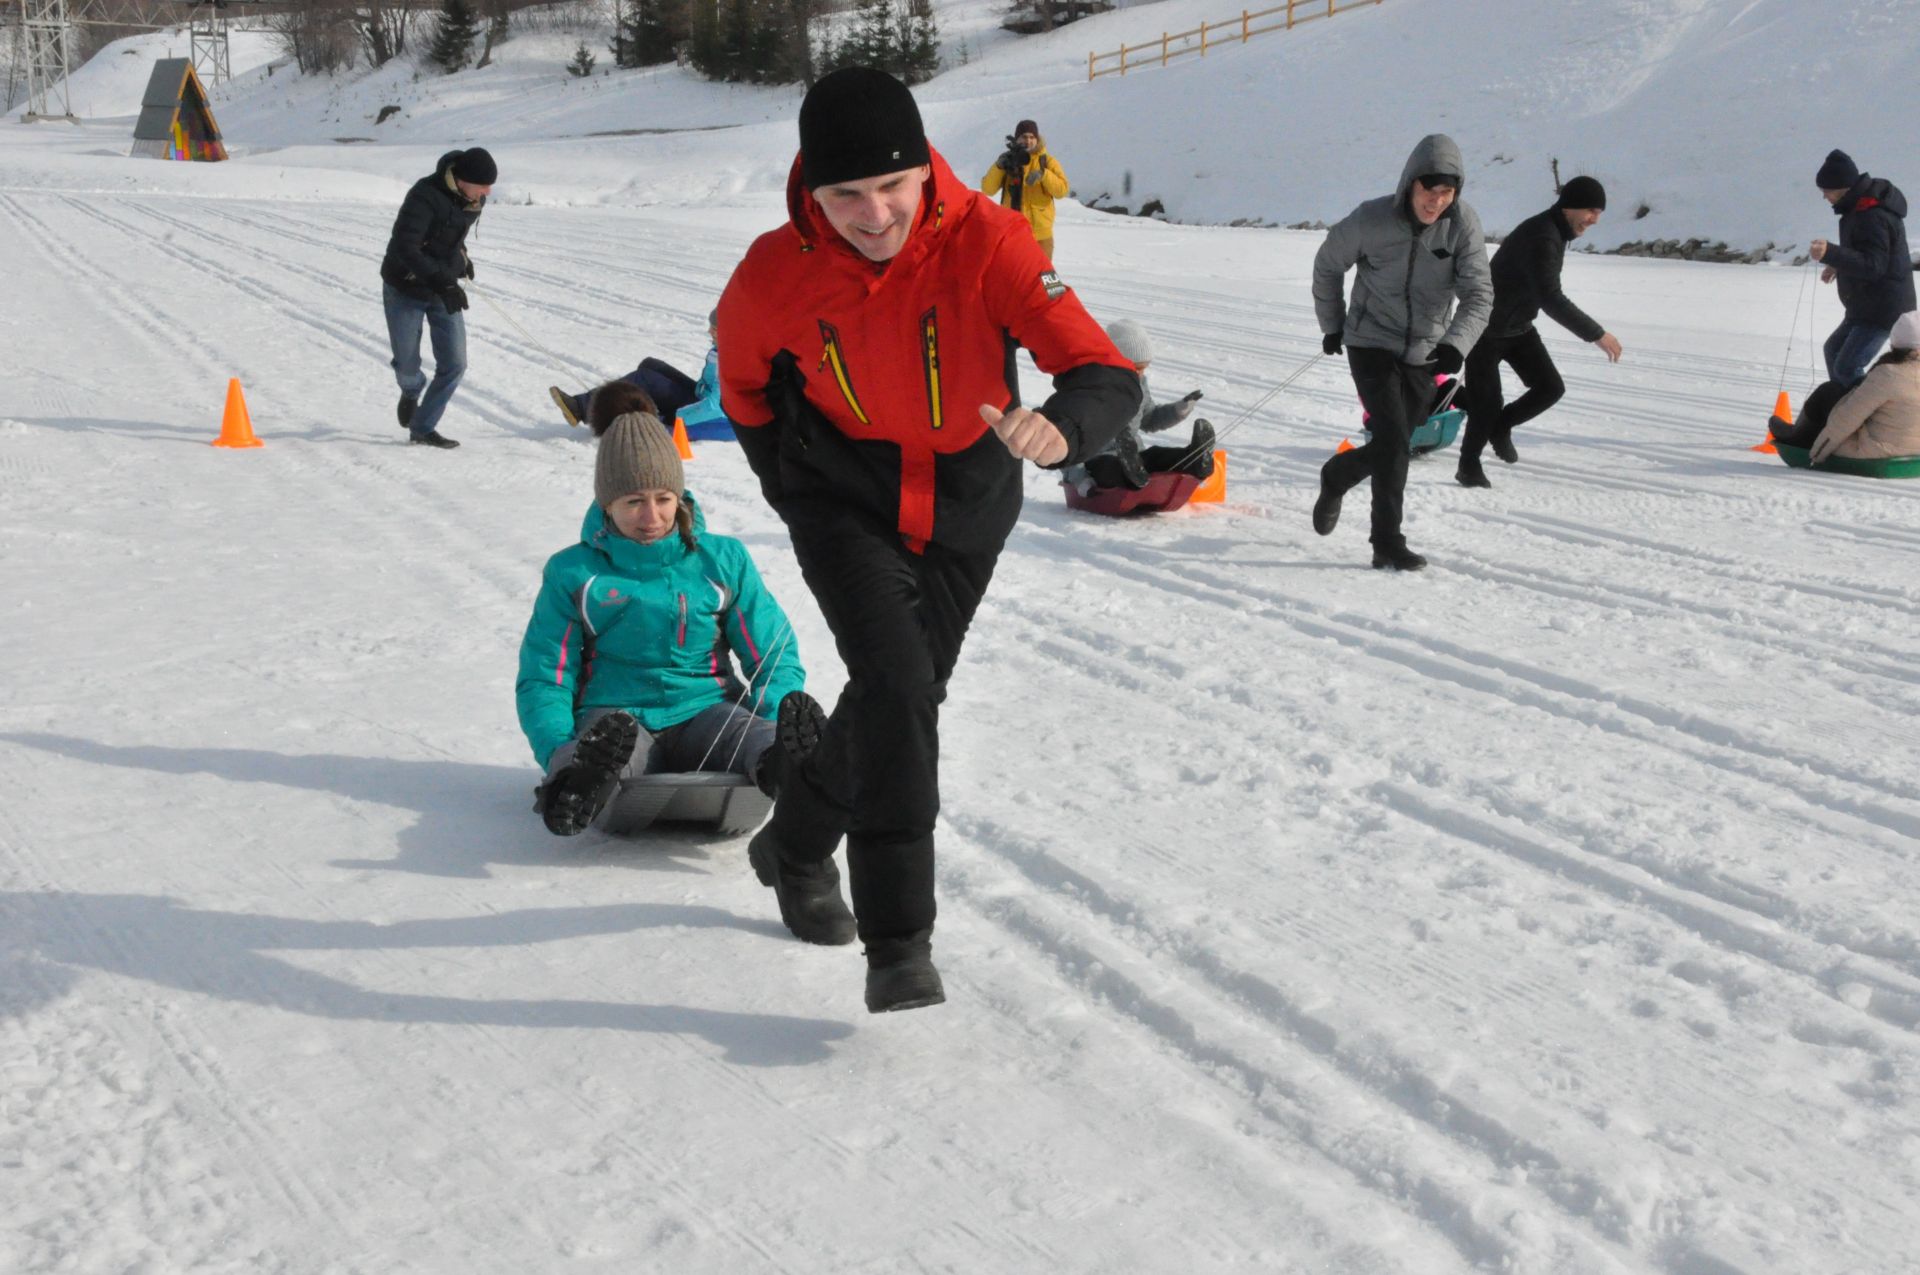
[
  {"x": 1264, "y": 399},
  {"x": 1793, "y": 328},
  {"x": 779, "y": 654},
  {"x": 553, "y": 359}
]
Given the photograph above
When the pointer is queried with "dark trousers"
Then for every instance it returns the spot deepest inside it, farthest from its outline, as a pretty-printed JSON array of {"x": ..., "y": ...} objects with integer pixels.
[
  {"x": 1813, "y": 415},
  {"x": 898, "y": 620},
  {"x": 1396, "y": 396},
  {"x": 1489, "y": 415},
  {"x": 1850, "y": 350}
]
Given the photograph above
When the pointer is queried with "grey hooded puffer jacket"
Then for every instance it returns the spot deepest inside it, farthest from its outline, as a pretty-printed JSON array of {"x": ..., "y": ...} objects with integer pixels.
[{"x": 1409, "y": 275}]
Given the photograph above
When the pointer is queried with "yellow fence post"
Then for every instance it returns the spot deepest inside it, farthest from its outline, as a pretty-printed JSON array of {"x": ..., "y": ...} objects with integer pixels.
[
  {"x": 1203, "y": 39},
  {"x": 1163, "y": 48},
  {"x": 1123, "y": 59},
  {"x": 1243, "y": 26},
  {"x": 1089, "y": 66},
  {"x": 1289, "y": 15}
]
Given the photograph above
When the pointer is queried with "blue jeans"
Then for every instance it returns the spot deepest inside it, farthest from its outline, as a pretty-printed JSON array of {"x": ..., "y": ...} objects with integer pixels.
[
  {"x": 1851, "y": 348},
  {"x": 449, "y": 332}
]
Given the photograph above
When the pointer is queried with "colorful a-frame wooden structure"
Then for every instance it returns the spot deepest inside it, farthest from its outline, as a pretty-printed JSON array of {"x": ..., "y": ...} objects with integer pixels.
[{"x": 175, "y": 120}]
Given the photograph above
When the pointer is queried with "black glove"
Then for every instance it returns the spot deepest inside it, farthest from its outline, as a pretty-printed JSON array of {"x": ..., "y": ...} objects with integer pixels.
[
  {"x": 455, "y": 296},
  {"x": 468, "y": 272},
  {"x": 1330, "y": 343},
  {"x": 1447, "y": 360}
]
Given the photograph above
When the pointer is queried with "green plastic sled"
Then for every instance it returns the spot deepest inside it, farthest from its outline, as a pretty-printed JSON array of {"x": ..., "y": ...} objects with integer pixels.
[{"x": 1891, "y": 467}]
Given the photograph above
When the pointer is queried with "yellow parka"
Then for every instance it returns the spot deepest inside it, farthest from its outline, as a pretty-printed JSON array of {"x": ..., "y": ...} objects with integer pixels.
[{"x": 1043, "y": 182}]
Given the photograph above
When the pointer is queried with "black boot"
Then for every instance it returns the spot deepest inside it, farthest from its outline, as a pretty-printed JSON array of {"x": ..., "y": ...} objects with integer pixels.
[
  {"x": 432, "y": 438},
  {"x": 1326, "y": 510},
  {"x": 900, "y": 974},
  {"x": 568, "y": 405},
  {"x": 808, "y": 893},
  {"x": 1199, "y": 460},
  {"x": 796, "y": 734},
  {"x": 1502, "y": 445},
  {"x": 1470, "y": 473},
  {"x": 576, "y": 793},
  {"x": 404, "y": 410},
  {"x": 1132, "y": 471},
  {"x": 1400, "y": 559}
]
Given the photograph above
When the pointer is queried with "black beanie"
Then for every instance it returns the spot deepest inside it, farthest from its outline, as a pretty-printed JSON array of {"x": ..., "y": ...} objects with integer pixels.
[
  {"x": 1026, "y": 126},
  {"x": 1583, "y": 192},
  {"x": 1838, "y": 173},
  {"x": 476, "y": 167},
  {"x": 858, "y": 122}
]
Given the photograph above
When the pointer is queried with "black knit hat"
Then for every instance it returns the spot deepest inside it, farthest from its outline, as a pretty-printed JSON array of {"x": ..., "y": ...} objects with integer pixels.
[
  {"x": 1026, "y": 126},
  {"x": 1583, "y": 192},
  {"x": 1838, "y": 173},
  {"x": 476, "y": 167},
  {"x": 858, "y": 122}
]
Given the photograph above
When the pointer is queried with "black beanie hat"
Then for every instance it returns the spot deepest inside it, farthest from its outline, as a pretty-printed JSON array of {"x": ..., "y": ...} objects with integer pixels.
[
  {"x": 1026, "y": 126},
  {"x": 858, "y": 122},
  {"x": 1838, "y": 173},
  {"x": 1583, "y": 192},
  {"x": 477, "y": 167}
]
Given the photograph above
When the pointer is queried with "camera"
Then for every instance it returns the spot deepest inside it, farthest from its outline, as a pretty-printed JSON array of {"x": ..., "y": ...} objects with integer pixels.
[{"x": 1015, "y": 159}]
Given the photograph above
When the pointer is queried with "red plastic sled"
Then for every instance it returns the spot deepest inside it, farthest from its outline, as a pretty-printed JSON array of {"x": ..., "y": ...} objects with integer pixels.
[{"x": 1163, "y": 492}]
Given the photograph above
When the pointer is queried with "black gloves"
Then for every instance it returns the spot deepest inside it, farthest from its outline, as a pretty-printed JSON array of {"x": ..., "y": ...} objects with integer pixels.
[
  {"x": 455, "y": 296},
  {"x": 1447, "y": 360},
  {"x": 468, "y": 272},
  {"x": 1330, "y": 343}
]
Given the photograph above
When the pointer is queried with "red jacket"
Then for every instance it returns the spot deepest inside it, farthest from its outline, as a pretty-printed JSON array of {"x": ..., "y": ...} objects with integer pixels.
[{"x": 861, "y": 382}]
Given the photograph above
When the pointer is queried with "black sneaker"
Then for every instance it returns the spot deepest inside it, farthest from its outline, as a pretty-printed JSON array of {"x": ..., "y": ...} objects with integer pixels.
[
  {"x": 433, "y": 438},
  {"x": 405, "y": 410},
  {"x": 1326, "y": 510},
  {"x": 1471, "y": 474},
  {"x": 900, "y": 974},
  {"x": 564, "y": 401},
  {"x": 808, "y": 893},
  {"x": 1401, "y": 559},
  {"x": 1502, "y": 445},
  {"x": 575, "y": 794}
]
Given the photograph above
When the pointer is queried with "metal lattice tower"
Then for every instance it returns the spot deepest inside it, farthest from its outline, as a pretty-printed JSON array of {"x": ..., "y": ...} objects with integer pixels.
[
  {"x": 46, "y": 43},
  {"x": 209, "y": 32}
]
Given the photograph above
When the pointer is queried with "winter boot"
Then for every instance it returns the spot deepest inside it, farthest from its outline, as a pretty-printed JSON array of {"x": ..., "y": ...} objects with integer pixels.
[
  {"x": 1470, "y": 473},
  {"x": 1400, "y": 559},
  {"x": 1326, "y": 510},
  {"x": 808, "y": 893},
  {"x": 569, "y": 410},
  {"x": 1199, "y": 457},
  {"x": 1502, "y": 445},
  {"x": 433, "y": 438},
  {"x": 404, "y": 410},
  {"x": 1133, "y": 471},
  {"x": 577, "y": 791},
  {"x": 796, "y": 734},
  {"x": 900, "y": 974}
]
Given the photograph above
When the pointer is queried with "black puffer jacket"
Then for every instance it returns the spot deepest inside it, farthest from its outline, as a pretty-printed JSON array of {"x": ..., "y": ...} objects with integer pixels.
[
  {"x": 1526, "y": 280},
  {"x": 1874, "y": 266},
  {"x": 426, "y": 253}
]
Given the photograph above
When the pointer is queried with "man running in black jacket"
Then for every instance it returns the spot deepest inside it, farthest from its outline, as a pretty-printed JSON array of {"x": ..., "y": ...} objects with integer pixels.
[{"x": 1526, "y": 281}]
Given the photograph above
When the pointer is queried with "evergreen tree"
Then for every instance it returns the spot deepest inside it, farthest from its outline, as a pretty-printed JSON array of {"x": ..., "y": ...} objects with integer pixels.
[
  {"x": 917, "y": 42},
  {"x": 582, "y": 64},
  {"x": 453, "y": 38}
]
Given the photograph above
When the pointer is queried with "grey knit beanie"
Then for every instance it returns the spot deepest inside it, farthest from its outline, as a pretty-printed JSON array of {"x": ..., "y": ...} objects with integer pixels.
[
  {"x": 1131, "y": 340},
  {"x": 636, "y": 454}
]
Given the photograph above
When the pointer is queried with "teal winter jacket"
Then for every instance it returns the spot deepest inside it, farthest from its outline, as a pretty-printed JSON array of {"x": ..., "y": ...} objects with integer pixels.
[{"x": 652, "y": 629}]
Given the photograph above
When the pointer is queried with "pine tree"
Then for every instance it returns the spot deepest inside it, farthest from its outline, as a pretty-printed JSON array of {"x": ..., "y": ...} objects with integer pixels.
[
  {"x": 582, "y": 64},
  {"x": 917, "y": 42},
  {"x": 453, "y": 38}
]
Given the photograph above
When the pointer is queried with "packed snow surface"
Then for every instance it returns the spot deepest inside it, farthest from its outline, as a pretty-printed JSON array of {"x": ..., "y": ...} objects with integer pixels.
[{"x": 1550, "y": 911}]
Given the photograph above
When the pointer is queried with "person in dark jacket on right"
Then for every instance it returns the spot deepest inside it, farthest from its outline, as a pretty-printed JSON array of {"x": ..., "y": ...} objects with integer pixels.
[
  {"x": 421, "y": 273},
  {"x": 1871, "y": 262},
  {"x": 1526, "y": 282}
]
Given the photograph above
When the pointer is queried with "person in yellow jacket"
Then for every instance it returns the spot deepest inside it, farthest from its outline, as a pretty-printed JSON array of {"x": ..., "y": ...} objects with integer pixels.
[{"x": 1028, "y": 180}]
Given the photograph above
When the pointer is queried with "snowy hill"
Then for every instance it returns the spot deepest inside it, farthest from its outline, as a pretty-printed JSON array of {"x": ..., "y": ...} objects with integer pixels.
[{"x": 1549, "y": 913}]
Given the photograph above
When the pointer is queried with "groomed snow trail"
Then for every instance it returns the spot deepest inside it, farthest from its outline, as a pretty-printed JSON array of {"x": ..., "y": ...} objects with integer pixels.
[{"x": 1548, "y": 912}]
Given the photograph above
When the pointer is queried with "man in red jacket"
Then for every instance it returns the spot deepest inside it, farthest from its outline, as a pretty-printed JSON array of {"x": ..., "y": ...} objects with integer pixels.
[{"x": 867, "y": 362}]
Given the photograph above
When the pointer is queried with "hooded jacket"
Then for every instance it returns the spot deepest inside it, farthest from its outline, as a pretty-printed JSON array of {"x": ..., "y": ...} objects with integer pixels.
[
  {"x": 1409, "y": 275},
  {"x": 1526, "y": 280},
  {"x": 652, "y": 629},
  {"x": 426, "y": 253},
  {"x": 1042, "y": 182},
  {"x": 1872, "y": 261},
  {"x": 1880, "y": 417},
  {"x": 860, "y": 382}
]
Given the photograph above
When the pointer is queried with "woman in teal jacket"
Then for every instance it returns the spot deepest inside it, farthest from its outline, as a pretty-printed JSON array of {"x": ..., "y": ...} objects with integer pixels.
[{"x": 627, "y": 666}]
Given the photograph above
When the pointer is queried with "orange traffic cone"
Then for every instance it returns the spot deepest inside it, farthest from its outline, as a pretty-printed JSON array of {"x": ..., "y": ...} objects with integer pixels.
[
  {"x": 1346, "y": 445},
  {"x": 680, "y": 442},
  {"x": 236, "y": 427},
  {"x": 1214, "y": 489},
  {"x": 1783, "y": 408}
]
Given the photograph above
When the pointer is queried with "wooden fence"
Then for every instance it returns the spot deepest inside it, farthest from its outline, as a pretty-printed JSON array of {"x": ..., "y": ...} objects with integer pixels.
[{"x": 1178, "y": 44}]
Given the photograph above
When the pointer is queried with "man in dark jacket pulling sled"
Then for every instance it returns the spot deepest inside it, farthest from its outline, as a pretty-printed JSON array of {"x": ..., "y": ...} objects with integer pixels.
[
  {"x": 426, "y": 259},
  {"x": 866, "y": 359},
  {"x": 1526, "y": 283},
  {"x": 1416, "y": 251},
  {"x": 1871, "y": 262}
]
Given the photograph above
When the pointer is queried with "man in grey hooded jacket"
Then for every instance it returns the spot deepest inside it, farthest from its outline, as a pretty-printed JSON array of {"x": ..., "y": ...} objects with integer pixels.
[{"x": 1417, "y": 250}]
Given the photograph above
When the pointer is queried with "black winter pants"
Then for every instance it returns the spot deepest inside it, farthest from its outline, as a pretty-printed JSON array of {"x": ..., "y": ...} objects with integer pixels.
[
  {"x": 1396, "y": 396},
  {"x": 1813, "y": 415},
  {"x": 1489, "y": 415},
  {"x": 898, "y": 620}
]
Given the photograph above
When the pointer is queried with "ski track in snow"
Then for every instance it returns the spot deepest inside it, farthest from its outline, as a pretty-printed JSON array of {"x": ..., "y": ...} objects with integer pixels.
[{"x": 1548, "y": 912}]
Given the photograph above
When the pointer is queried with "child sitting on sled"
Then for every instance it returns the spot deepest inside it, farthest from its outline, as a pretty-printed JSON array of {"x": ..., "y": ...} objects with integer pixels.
[
  {"x": 627, "y": 667},
  {"x": 1875, "y": 420},
  {"x": 669, "y": 391},
  {"x": 1129, "y": 462}
]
